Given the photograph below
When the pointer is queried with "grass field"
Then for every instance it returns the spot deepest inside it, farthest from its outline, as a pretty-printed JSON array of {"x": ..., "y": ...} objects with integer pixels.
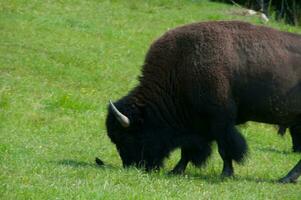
[{"x": 60, "y": 63}]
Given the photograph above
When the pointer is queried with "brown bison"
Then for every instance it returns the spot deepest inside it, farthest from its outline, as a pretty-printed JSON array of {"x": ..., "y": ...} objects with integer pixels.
[{"x": 200, "y": 80}]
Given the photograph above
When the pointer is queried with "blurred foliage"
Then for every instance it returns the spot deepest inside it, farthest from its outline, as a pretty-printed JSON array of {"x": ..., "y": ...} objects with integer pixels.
[{"x": 288, "y": 11}]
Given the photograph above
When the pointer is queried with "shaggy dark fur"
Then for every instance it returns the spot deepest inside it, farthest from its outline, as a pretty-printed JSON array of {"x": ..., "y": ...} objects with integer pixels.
[{"x": 198, "y": 81}]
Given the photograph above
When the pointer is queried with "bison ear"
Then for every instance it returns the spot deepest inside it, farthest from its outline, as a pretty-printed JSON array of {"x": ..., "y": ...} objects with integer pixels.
[{"x": 123, "y": 120}]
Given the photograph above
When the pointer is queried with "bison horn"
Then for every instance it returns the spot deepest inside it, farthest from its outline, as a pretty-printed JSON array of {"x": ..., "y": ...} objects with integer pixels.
[{"x": 124, "y": 120}]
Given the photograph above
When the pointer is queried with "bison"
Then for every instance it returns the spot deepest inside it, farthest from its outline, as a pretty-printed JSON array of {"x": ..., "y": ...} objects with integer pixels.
[{"x": 200, "y": 80}]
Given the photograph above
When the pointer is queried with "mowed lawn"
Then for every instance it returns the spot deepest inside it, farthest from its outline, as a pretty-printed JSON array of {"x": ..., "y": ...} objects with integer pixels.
[{"x": 60, "y": 63}]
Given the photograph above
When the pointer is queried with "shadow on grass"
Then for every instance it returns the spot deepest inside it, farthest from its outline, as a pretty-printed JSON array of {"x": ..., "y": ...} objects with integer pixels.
[
  {"x": 211, "y": 179},
  {"x": 272, "y": 150},
  {"x": 255, "y": 180},
  {"x": 82, "y": 164},
  {"x": 217, "y": 179}
]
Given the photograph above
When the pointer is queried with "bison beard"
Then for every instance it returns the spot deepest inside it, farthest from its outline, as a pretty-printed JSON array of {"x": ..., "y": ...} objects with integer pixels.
[{"x": 199, "y": 81}]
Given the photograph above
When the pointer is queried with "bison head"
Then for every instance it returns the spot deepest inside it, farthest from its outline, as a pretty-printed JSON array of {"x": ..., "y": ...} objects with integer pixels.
[{"x": 137, "y": 140}]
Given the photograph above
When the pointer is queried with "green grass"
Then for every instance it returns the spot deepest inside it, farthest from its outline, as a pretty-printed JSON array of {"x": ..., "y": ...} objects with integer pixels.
[{"x": 60, "y": 63}]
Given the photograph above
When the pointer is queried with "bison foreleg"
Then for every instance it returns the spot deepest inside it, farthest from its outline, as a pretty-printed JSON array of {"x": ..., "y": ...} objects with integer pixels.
[
  {"x": 197, "y": 154},
  {"x": 227, "y": 161},
  {"x": 231, "y": 146},
  {"x": 293, "y": 175}
]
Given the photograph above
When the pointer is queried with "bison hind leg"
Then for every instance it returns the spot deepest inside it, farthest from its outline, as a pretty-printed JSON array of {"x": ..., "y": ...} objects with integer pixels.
[
  {"x": 293, "y": 174},
  {"x": 231, "y": 146}
]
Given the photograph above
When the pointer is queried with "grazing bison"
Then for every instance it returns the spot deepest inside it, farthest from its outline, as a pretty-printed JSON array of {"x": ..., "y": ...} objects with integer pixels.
[{"x": 200, "y": 80}]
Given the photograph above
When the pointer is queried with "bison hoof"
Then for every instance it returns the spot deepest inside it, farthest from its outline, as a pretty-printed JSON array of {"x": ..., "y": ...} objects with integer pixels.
[{"x": 227, "y": 174}]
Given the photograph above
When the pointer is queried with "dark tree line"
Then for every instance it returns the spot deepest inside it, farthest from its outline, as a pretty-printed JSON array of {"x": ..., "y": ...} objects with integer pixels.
[{"x": 287, "y": 10}]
